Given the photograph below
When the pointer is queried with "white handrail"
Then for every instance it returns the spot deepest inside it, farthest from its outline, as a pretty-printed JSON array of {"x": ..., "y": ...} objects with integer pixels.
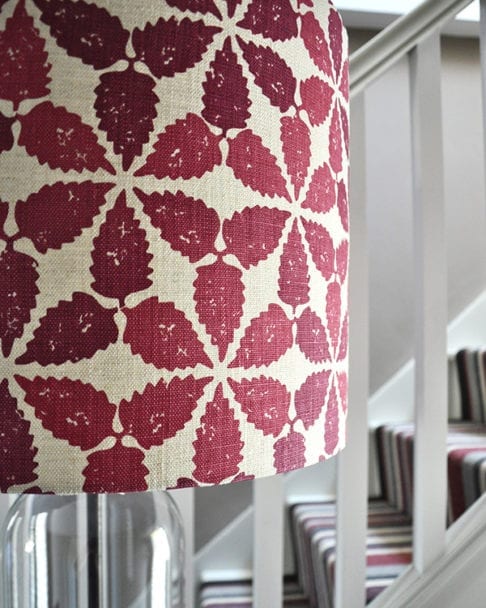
[{"x": 386, "y": 48}]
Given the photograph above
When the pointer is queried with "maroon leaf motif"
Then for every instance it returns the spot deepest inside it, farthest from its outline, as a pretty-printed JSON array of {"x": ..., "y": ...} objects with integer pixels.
[
  {"x": 312, "y": 338},
  {"x": 316, "y": 43},
  {"x": 255, "y": 165},
  {"x": 331, "y": 433},
  {"x": 345, "y": 124},
  {"x": 275, "y": 20},
  {"x": 71, "y": 331},
  {"x": 225, "y": 98},
  {"x": 317, "y": 98},
  {"x": 289, "y": 453},
  {"x": 185, "y": 222},
  {"x": 335, "y": 142},
  {"x": 161, "y": 411},
  {"x": 272, "y": 74},
  {"x": 293, "y": 278},
  {"x": 3, "y": 217},
  {"x": 296, "y": 143},
  {"x": 121, "y": 262},
  {"x": 343, "y": 390},
  {"x": 72, "y": 144},
  {"x": 254, "y": 233},
  {"x": 186, "y": 149},
  {"x": 336, "y": 40},
  {"x": 85, "y": 31},
  {"x": 266, "y": 339},
  {"x": 18, "y": 289},
  {"x": 17, "y": 453},
  {"x": 232, "y": 6},
  {"x": 342, "y": 202},
  {"x": 196, "y": 6},
  {"x": 321, "y": 196},
  {"x": 343, "y": 346},
  {"x": 2, "y": 2},
  {"x": 333, "y": 311},
  {"x": 304, "y": 3},
  {"x": 242, "y": 477},
  {"x": 6, "y": 133},
  {"x": 23, "y": 61},
  {"x": 321, "y": 247},
  {"x": 76, "y": 203},
  {"x": 342, "y": 260},
  {"x": 107, "y": 471},
  {"x": 219, "y": 302},
  {"x": 126, "y": 118},
  {"x": 184, "y": 482},
  {"x": 163, "y": 336},
  {"x": 70, "y": 409},
  {"x": 310, "y": 399},
  {"x": 218, "y": 442},
  {"x": 344, "y": 86},
  {"x": 171, "y": 46},
  {"x": 265, "y": 401}
]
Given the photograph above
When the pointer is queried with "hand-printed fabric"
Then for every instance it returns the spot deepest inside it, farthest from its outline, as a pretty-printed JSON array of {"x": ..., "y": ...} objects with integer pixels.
[{"x": 173, "y": 241}]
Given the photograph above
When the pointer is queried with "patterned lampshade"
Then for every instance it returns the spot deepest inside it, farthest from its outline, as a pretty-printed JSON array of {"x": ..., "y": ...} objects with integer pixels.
[{"x": 173, "y": 241}]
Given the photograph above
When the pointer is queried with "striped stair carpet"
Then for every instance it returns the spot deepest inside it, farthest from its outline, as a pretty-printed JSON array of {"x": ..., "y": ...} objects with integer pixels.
[{"x": 239, "y": 595}]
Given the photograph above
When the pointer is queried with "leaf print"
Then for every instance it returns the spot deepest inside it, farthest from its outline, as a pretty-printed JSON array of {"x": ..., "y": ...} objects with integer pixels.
[
  {"x": 128, "y": 119},
  {"x": 315, "y": 42},
  {"x": 275, "y": 20},
  {"x": 333, "y": 312},
  {"x": 254, "y": 233},
  {"x": 343, "y": 390},
  {"x": 72, "y": 144},
  {"x": 6, "y": 133},
  {"x": 107, "y": 471},
  {"x": 169, "y": 47},
  {"x": 71, "y": 331},
  {"x": 310, "y": 399},
  {"x": 3, "y": 217},
  {"x": 342, "y": 202},
  {"x": 294, "y": 277},
  {"x": 85, "y": 31},
  {"x": 321, "y": 196},
  {"x": 218, "y": 442},
  {"x": 336, "y": 142},
  {"x": 76, "y": 203},
  {"x": 321, "y": 247},
  {"x": 312, "y": 337},
  {"x": 219, "y": 302},
  {"x": 335, "y": 28},
  {"x": 196, "y": 6},
  {"x": 289, "y": 453},
  {"x": 121, "y": 262},
  {"x": 23, "y": 60},
  {"x": 163, "y": 336},
  {"x": 317, "y": 98},
  {"x": 296, "y": 146},
  {"x": 342, "y": 255},
  {"x": 332, "y": 422},
  {"x": 232, "y": 6},
  {"x": 343, "y": 346},
  {"x": 345, "y": 124}
]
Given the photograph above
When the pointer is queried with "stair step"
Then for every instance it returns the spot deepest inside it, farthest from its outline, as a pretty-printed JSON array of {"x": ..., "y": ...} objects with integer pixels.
[{"x": 238, "y": 594}]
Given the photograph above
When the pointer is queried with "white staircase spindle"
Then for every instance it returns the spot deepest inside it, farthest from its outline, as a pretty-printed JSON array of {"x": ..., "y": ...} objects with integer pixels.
[
  {"x": 268, "y": 503},
  {"x": 185, "y": 499},
  {"x": 430, "y": 457},
  {"x": 352, "y": 489},
  {"x": 482, "y": 46}
]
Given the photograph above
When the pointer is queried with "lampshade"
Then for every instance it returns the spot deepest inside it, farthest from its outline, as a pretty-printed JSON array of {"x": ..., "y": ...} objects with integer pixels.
[{"x": 173, "y": 241}]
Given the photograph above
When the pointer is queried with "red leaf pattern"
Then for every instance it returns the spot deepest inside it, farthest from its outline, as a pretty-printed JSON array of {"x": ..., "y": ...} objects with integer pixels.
[
  {"x": 296, "y": 144},
  {"x": 85, "y": 31},
  {"x": 343, "y": 344},
  {"x": 232, "y": 6},
  {"x": 219, "y": 302},
  {"x": 107, "y": 471},
  {"x": 265, "y": 401},
  {"x": 3, "y": 217},
  {"x": 344, "y": 86},
  {"x": 343, "y": 390},
  {"x": 336, "y": 40},
  {"x": 316, "y": 43},
  {"x": 332, "y": 422},
  {"x": 225, "y": 98},
  {"x": 272, "y": 74},
  {"x": 186, "y": 149},
  {"x": 6, "y": 133},
  {"x": 345, "y": 124},
  {"x": 18, "y": 291},
  {"x": 342, "y": 202},
  {"x": 120, "y": 257},
  {"x": 151, "y": 417},
  {"x": 17, "y": 464},
  {"x": 126, "y": 118},
  {"x": 171, "y": 46},
  {"x": 186, "y": 223},
  {"x": 163, "y": 336},
  {"x": 218, "y": 442},
  {"x": 70, "y": 409},
  {"x": 310, "y": 399},
  {"x": 317, "y": 98},
  {"x": 254, "y": 233},
  {"x": 335, "y": 142},
  {"x": 255, "y": 165},
  {"x": 289, "y": 453},
  {"x": 23, "y": 61},
  {"x": 71, "y": 331},
  {"x": 342, "y": 255},
  {"x": 321, "y": 196},
  {"x": 321, "y": 247},
  {"x": 267, "y": 338},
  {"x": 311, "y": 337},
  {"x": 333, "y": 312},
  {"x": 196, "y": 6},
  {"x": 294, "y": 273},
  {"x": 72, "y": 144},
  {"x": 76, "y": 203},
  {"x": 275, "y": 20}
]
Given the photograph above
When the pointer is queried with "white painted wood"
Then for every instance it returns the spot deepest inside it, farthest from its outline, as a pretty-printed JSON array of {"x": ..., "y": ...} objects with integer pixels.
[
  {"x": 482, "y": 47},
  {"x": 430, "y": 474},
  {"x": 185, "y": 500},
  {"x": 352, "y": 487},
  {"x": 391, "y": 44},
  {"x": 268, "y": 502}
]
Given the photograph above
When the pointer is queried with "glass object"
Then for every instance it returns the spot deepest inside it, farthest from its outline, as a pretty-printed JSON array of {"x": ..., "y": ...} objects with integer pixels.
[{"x": 93, "y": 551}]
